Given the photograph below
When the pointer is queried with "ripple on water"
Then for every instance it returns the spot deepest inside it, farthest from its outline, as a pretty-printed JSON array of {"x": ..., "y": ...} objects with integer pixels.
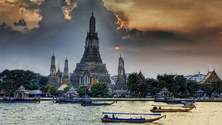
[{"x": 47, "y": 112}]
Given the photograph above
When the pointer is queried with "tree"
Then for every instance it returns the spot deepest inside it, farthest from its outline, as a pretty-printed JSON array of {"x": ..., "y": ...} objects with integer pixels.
[
  {"x": 133, "y": 82},
  {"x": 192, "y": 87},
  {"x": 144, "y": 89},
  {"x": 217, "y": 85},
  {"x": 99, "y": 89},
  {"x": 208, "y": 89},
  {"x": 13, "y": 79},
  {"x": 66, "y": 89},
  {"x": 152, "y": 84},
  {"x": 82, "y": 89},
  {"x": 42, "y": 80},
  {"x": 34, "y": 86},
  {"x": 9, "y": 86},
  {"x": 53, "y": 90}
]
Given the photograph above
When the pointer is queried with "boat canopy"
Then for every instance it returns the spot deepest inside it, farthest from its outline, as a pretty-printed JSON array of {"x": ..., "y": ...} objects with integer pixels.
[{"x": 128, "y": 113}]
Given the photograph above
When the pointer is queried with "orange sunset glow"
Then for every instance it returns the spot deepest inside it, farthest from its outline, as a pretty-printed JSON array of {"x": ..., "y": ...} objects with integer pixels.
[{"x": 158, "y": 37}]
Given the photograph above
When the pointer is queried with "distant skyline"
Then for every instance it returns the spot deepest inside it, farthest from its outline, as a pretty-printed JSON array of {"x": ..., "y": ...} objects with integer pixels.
[{"x": 154, "y": 36}]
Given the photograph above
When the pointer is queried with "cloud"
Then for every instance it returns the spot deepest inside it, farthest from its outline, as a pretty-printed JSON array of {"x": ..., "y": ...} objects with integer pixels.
[
  {"x": 20, "y": 23},
  {"x": 155, "y": 36}
]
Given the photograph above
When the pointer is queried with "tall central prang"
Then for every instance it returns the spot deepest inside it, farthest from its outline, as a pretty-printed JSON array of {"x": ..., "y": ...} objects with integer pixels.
[{"x": 91, "y": 65}]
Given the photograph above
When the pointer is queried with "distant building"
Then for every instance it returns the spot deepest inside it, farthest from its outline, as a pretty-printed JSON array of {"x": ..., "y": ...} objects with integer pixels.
[
  {"x": 64, "y": 84},
  {"x": 121, "y": 77},
  {"x": 66, "y": 70},
  {"x": 56, "y": 78},
  {"x": 211, "y": 75},
  {"x": 202, "y": 78},
  {"x": 141, "y": 77},
  {"x": 196, "y": 77}
]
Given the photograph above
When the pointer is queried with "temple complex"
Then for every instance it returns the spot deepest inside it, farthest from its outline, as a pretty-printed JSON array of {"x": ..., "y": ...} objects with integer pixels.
[{"x": 91, "y": 66}]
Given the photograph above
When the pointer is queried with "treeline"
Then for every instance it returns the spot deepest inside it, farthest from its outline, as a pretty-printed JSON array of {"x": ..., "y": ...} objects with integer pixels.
[
  {"x": 177, "y": 85},
  {"x": 11, "y": 80}
]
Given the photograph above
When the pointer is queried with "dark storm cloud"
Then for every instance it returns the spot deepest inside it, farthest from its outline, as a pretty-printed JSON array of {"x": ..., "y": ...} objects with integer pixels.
[
  {"x": 56, "y": 34},
  {"x": 134, "y": 31},
  {"x": 20, "y": 23}
]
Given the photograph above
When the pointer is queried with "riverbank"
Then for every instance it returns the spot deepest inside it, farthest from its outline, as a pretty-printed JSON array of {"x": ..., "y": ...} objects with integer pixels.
[{"x": 138, "y": 99}]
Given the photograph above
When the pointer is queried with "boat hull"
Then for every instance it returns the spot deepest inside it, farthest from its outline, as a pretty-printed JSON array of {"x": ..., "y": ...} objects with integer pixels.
[
  {"x": 171, "y": 110},
  {"x": 75, "y": 102},
  {"x": 20, "y": 101},
  {"x": 96, "y": 104},
  {"x": 130, "y": 120}
]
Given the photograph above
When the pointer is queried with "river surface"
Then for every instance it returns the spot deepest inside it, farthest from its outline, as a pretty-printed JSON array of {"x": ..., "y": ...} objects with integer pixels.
[{"x": 48, "y": 113}]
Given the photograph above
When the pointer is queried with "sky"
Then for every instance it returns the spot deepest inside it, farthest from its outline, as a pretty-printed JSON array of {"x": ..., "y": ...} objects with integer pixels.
[{"x": 154, "y": 36}]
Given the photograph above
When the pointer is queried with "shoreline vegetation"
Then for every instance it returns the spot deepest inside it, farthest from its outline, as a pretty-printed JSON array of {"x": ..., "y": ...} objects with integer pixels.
[{"x": 137, "y": 99}]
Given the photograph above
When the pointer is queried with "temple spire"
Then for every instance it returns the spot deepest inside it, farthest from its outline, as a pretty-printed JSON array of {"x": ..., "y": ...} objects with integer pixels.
[{"x": 92, "y": 24}]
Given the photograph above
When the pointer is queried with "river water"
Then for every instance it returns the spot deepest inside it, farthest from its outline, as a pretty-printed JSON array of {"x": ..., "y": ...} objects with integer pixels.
[{"x": 48, "y": 113}]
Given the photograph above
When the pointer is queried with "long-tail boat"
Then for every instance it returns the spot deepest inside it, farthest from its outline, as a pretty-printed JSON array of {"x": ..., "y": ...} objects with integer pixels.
[
  {"x": 75, "y": 100},
  {"x": 20, "y": 100},
  {"x": 166, "y": 100},
  {"x": 155, "y": 109},
  {"x": 192, "y": 102},
  {"x": 106, "y": 118},
  {"x": 96, "y": 104}
]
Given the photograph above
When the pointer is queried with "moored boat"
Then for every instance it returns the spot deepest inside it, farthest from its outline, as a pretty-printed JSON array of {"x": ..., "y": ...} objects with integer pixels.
[
  {"x": 180, "y": 102},
  {"x": 96, "y": 104},
  {"x": 20, "y": 100},
  {"x": 131, "y": 120},
  {"x": 155, "y": 109},
  {"x": 76, "y": 100}
]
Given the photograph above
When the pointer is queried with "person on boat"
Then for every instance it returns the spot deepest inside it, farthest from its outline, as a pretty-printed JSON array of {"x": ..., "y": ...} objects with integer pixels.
[{"x": 113, "y": 116}]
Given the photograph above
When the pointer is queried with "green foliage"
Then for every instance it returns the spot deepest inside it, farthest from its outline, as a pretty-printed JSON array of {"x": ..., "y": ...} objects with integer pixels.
[
  {"x": 42, "y": 80},
  {"x": 133, "y": 82},
  {"x": 136, "y": 96},
  {"x": 123, "y": 96},
  {"x": 195, "y": 96},
  {"x": 34, "y": 86},
  {"x": 207, "y": 88},
  {"x": 192, "y": 87},
  {"x": 66, "y": 89},
  {"x": 216, "y": 96},
  {"x": 111, "y": 95},
  {"x": 143, "y": 88},
  {"x": 9, "y": 86},
  {"x": 13, "y": 79},
  {"x": 175, "y": 94},
  {"x": 99, "y": 89},
  {"x": 135, "y": 86},
  {"x": 53, "y": 90},
  {"x": 173, "y": 84},
  {"x": 217, "y": 85},
  {"x": 82, "y": 89},
  {"x": 186, "y": 95},
  {"x": 104, "y": 96},
  {"x": 98, "y": 96}
]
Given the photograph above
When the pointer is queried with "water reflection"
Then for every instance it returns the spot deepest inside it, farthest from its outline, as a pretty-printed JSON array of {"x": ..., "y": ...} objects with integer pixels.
[{"x": 47, "y": 112}]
